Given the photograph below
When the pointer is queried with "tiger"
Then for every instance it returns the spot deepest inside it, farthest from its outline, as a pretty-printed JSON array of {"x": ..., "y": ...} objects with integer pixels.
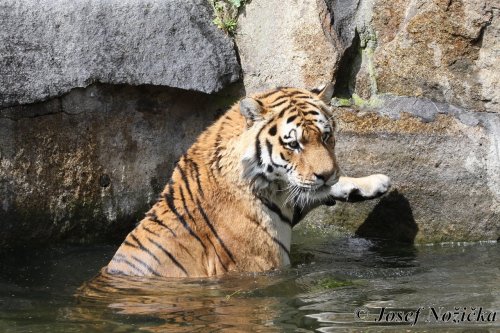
[{"x": 235, "y": 195}]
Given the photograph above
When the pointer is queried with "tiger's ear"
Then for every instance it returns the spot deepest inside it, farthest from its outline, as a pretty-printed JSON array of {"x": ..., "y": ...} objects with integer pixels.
[
  {"x": 251, "y": 109},
  {"x": 324, "y": 92}
]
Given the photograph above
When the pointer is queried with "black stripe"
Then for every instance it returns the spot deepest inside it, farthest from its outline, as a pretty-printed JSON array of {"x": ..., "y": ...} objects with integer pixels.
[
  {"x": 291, "y": 106},
  {"x": 279, "y": 101},
  {"x": 269, "y": 93},
  {"x": 297, "y": 216},
  {"x": 170, "y": 202},
  {"x": 270, "y": 149},
  {"x": 282, "y": 112},
  {"x": 258, "y": 151},
  {"x": 152, "y": 217},
  {"x": 283, "y": 166},
  {"x": 113, "y": 272},
  {"x": 289, "y": 135},
  {"x": 149, "y": 230},
  {"x": 254, "y": 221},
  {"x": 215, "y": 157},
  {"x": 186, "y": 181},
  {"x": 316, "y": 113},
  {"x": 273, "y": 130},
  {"x": 297, "y": 94},
  {"x": 311, "y": 104},
  {"x": 274, "y": 208},
  {"x": 127, "y": 243},
  {"x": 122, "y": 260},
  {"x": 185, "y": 206},
  {"x": 185, "y": 249},
  {"x": 277, "y": 241},
  {"x": 217, "y": 254},
  {"x": 196, "y": 169},
  {"x": 207, "y": 221},
  {"x": 143, "y": 248},
  {"x": 168, "y": 254},
  {"x": 292, "y": 118},
  {"x": 283, "y": 143},
  {"x": 148, "y": 268}
]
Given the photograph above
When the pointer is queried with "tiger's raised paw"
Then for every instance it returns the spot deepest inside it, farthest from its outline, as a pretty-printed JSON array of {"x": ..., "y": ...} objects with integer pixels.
[{"x": 359, "y": 189}]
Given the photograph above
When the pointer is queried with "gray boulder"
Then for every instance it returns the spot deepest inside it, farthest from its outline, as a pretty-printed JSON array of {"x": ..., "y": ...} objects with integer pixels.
[
  {"x": 86, "y": 166},
  {"x": 285, "y": 45},
  {"x": 49, "y": 47},
  {"x": 444, "y": 165}
]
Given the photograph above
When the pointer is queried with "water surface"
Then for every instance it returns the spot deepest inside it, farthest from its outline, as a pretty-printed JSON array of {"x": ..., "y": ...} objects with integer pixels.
[{"x": 337, "y": 283}]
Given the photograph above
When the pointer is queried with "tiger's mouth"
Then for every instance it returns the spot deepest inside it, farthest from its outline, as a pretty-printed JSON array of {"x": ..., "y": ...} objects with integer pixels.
[
  {"x": 303, "y": 195},
  {"x": 314, "y": 187}
]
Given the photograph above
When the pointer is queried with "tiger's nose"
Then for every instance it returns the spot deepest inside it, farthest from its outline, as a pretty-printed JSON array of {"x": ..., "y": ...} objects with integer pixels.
[{"x": 325, "y": 175}]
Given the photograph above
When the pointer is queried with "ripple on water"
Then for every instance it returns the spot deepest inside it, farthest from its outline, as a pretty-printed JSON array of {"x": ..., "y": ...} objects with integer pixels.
[{"x": 331, "y": 277}]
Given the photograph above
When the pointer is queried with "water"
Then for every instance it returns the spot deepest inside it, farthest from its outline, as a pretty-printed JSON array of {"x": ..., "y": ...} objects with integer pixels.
[{"x": 333, "y": 278}]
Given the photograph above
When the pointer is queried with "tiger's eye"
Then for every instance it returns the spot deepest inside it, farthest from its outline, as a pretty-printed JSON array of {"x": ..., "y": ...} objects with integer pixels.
[{"x": 293, "y": 144}]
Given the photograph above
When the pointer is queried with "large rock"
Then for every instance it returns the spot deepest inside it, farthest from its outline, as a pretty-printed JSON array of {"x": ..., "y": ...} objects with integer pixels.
[
  {"x": 87, "y": 165},
  {"x": 285, "y": 45},
  {"x": 417, "y": 73},
  {"x": 444, "y": 50},
  {"x": 444, "y": 163},
  {"x": 49, "y": 47}
]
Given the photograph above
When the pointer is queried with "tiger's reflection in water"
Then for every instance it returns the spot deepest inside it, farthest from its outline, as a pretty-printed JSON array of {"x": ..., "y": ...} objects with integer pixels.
[{"x": 231, "y": 303}]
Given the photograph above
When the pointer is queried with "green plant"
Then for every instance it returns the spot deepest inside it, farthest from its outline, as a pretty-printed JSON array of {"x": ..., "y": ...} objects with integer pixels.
[
  {"x": 226, "y": 14},
  {"x": 330, "y": 283}
]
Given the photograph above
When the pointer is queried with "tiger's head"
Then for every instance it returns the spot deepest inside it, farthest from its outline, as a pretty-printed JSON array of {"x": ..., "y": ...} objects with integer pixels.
[{"x": 294, "y": 141}]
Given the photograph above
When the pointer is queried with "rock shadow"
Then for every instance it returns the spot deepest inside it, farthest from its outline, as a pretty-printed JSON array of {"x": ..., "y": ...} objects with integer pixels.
[{"x": 391, "y": 219}]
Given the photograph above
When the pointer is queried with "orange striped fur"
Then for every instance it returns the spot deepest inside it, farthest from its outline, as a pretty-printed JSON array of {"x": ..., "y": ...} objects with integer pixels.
[{"x": 235, "y": 195}]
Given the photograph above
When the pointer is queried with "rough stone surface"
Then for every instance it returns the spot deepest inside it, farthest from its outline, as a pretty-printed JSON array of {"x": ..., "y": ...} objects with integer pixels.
[
  {"x": 87, "y": 165},
  {"x": 488, "y": 63},
  {"x": 445, "y": 173},
  {"x": 424, "y": 76},
  {"x": 49, "y": 47},
  {"x": 285, "y": 46},
  {"x": 444, "y": 50},
  {"x": 432, "y": 50}
]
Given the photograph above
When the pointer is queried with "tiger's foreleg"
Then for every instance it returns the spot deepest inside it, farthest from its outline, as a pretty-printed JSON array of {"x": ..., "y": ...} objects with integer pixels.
[
  {"x": 359, "y": 189},
  {"x": 348, "y": 189}
]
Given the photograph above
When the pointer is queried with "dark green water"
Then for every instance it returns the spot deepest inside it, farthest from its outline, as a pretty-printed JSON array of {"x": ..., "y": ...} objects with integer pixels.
[{"x": 333, "y": 278}]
